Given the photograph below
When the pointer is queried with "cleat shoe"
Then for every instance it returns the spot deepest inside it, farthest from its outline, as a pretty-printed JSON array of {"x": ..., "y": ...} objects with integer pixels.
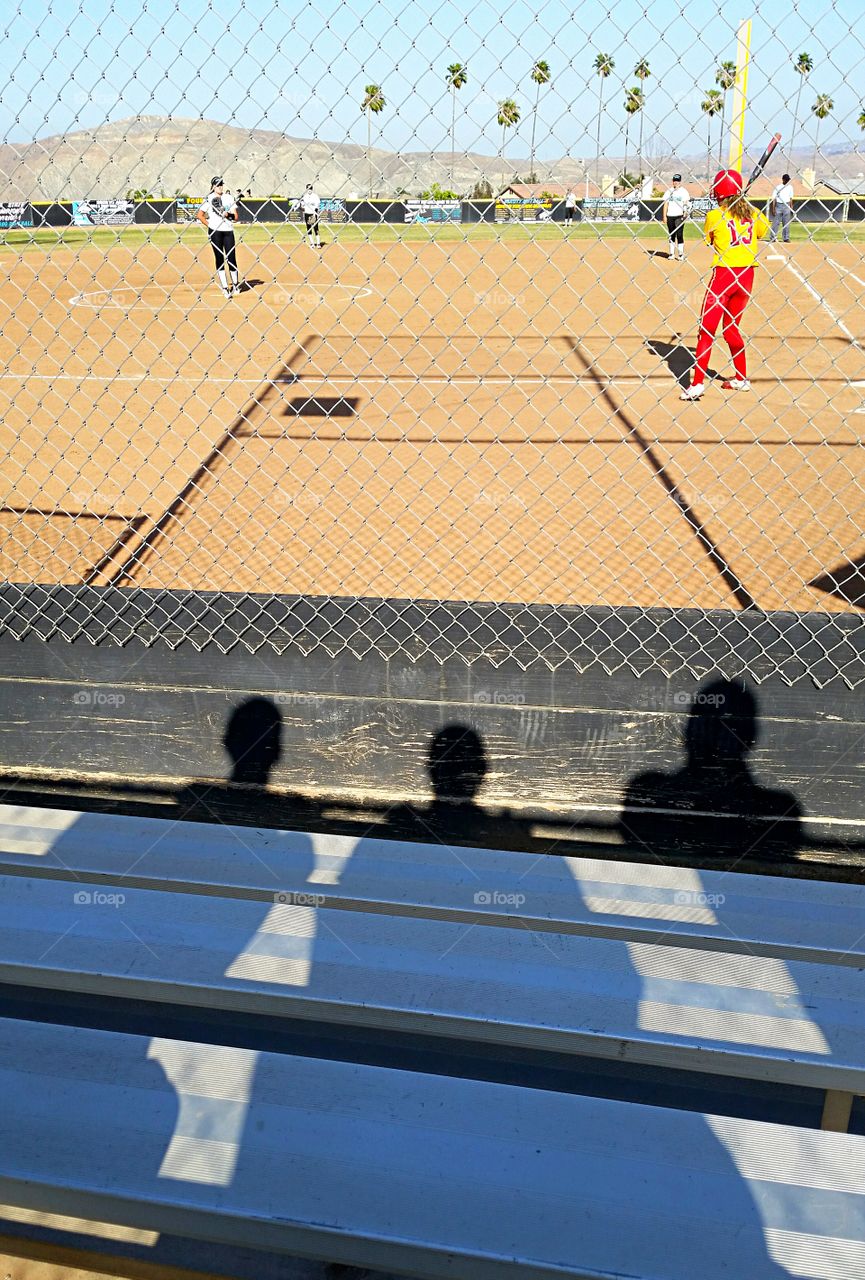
[
  {"x": 736, "y": 384},
  {"x": 693, "y": 393}
]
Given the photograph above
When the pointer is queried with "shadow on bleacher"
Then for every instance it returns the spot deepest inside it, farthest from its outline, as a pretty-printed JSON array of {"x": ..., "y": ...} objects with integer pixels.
[{"x": 711, "y": 812}]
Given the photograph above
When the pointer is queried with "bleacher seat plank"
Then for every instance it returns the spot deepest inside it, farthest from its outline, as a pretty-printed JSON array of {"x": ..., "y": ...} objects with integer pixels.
[
  {"x": 782, "y": 917},
  {"x": 430, "y": 1176},
  {"x": 746, "y": 1016}
]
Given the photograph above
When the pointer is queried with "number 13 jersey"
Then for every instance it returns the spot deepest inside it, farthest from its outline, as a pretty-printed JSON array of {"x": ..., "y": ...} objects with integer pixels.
[{"x": 735, "y": 241}]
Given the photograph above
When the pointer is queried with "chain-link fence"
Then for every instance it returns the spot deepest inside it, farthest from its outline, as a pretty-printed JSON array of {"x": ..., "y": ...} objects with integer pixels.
[{"x": 321, "y": 315}]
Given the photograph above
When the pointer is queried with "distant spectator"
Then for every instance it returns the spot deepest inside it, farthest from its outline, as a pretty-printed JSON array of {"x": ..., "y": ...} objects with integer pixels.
[{"x": 781, "y": 208}]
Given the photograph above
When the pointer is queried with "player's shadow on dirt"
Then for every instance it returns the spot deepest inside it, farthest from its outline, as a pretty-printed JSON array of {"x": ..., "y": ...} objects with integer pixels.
[
  {"x": 714, "y": 805},
  {"x": 679, "y": 360},
  {"x": 659, "y": 253}
]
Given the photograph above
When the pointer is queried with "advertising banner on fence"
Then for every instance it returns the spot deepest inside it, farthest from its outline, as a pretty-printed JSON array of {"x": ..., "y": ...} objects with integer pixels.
[
  {"x": 513, "y": 209},
  {"x": 433, "y": 211},
  {"x": 15, "y": 214},
  {"x": 103, "y": 213},
  {"x": 611, "y": 209},
  {"x": 186, "y": 208},
  {"x": 332, "y": 210},
  {"x": 701, "y": 206}
]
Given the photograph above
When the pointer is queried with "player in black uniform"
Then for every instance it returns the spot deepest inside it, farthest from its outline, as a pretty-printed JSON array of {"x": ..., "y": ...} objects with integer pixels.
[
  {"x": 218, "y": 213},
  {"x": 310, "y": 205}
]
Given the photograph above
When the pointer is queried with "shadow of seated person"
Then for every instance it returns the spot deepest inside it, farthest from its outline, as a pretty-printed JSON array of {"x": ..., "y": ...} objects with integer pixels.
[
  {"x": 253, "y": 742},
  {"x": 714, "y": 805},
  {"x": 457, "y": 766}
]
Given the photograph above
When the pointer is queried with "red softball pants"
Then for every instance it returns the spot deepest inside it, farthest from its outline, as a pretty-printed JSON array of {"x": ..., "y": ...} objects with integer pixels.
[{"x": 725, "y": 301}]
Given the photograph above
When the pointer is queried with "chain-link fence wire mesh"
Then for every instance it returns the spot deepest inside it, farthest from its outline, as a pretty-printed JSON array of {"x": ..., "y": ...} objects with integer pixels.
[{"x": 438, "y": 353}]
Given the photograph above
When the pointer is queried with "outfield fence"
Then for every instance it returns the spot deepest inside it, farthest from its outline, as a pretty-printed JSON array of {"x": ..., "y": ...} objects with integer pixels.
[
  {"x": 466, "y": 440},
  {"x": 35, "y": 215}
]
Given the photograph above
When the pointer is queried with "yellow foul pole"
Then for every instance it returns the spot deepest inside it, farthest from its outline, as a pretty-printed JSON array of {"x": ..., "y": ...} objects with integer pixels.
[{"x": 740, "y": 96}]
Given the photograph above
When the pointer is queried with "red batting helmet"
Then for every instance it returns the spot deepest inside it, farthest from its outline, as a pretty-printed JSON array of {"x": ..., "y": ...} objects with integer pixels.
[{"x": 728, "y": 182}]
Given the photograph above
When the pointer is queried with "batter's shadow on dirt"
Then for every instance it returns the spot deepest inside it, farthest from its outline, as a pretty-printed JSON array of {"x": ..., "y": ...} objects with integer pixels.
[{"x": 679, "y": 359}]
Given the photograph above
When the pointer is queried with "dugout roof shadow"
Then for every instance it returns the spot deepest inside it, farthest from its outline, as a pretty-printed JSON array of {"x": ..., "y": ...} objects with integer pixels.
[{"x": 847, "y": 582}]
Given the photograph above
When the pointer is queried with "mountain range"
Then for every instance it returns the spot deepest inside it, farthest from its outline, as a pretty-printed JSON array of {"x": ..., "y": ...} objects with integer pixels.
[{"x": 169, "y": 155}]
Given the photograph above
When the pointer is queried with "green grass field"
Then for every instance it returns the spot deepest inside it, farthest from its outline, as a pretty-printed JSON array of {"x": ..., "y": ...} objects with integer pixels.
[{"x": 24, "y": 240}]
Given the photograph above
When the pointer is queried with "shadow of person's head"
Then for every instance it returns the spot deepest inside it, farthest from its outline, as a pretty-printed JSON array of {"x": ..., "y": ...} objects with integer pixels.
[
  {"x": 715, "y": 804},
  {"x": 722, "y": 726},
  {"x": 253, "y": 740},
  {"x": 457, "y": 763},
  {"x": 457, "y": 766}
]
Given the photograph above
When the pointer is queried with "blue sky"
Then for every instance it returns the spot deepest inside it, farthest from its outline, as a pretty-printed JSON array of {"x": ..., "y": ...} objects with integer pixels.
[{"x": 300, "y": 68}]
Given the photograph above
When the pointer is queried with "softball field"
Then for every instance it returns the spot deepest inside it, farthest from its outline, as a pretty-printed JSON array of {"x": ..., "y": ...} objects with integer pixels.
[{"x": 454, "y": 417}]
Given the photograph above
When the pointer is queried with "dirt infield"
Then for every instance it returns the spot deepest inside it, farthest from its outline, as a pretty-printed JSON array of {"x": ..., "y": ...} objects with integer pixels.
[{"x": 494, "y": 421}]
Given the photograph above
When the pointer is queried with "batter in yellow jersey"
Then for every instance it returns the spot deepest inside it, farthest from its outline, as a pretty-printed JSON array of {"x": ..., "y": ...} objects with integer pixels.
[
  {"x": 734, "y": 239},
  {"x": 734, "y": 230}
]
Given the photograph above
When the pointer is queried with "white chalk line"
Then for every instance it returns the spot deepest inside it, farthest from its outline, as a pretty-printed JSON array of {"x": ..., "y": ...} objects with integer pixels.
[
  {"x": 839, "y": 266},
  {"x": 351, "y": 380},
  {"x": 360, "y": 379},
  {"x": 305, "y": 295},
  {"x": 860, "y": 411},
  {"x": 830, "y": 311}
]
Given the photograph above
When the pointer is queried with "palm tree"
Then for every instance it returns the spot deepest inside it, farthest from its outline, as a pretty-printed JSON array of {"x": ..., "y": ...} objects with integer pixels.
[
  {"x": 642, "y": 71},
  {"x": 540, "y": 73},
  {"x": 712, "y": 103},
  {"x": 604, "y": 65},
  {"x": 456, "y": 77},
  {"x": 633, "y": 104},
  {"x": 804, "y": 64},
  {"x": 821, "y": 108},
  {"x": 509, "y": 115},
  {"x": 373, "y": 102},
  {"x": 725, "y": 79},
  {"x": 860, "y": 120}
]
